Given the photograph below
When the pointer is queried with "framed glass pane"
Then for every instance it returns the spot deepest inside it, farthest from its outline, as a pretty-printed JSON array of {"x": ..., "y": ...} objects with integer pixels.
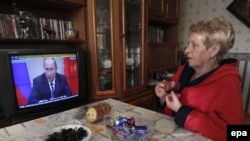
[
  {"x": 103, "y": 43},
  {"x": 133, "y": 42}
]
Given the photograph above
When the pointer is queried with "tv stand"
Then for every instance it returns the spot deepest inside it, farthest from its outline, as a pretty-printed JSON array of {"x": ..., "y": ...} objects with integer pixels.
[{"x": 4, "y": 122}]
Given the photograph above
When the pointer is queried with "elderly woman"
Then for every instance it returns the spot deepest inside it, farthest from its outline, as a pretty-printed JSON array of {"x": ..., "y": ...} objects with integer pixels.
[{"x": 209, "y": 97}]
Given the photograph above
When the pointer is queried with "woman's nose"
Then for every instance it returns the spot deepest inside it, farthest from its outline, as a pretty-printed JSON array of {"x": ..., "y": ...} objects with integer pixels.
[{"x": 185, "y": 49}]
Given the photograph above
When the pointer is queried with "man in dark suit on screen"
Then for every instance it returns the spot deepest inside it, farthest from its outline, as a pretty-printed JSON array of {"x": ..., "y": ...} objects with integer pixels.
[{"x": 50, "y": 85}]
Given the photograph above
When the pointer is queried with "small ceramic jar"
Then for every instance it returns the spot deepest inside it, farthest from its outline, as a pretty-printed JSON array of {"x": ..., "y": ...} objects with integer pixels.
[{"x": 70, "y": 32}]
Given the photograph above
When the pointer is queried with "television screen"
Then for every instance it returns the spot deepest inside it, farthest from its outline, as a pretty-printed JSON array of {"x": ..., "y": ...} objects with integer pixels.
[
  {"x": 44, "y": 78},
  {"x": 39, "y": 82}
]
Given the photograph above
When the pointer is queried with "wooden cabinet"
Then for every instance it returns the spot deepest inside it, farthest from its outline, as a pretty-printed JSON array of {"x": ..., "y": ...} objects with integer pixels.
[
  {"x": 157, "y": 8},
  {"x": 162, "y": 56},
  {"x": 162, "y": 30},
  {"x": 117, "y": 43},
  {"x": 144, "y": 102},
  {"x": 172, "y": 10},
  {"x": 164, "y": 10}
]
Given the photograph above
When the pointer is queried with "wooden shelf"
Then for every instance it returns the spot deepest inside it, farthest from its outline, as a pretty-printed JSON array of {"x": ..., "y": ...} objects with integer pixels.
[
  {"x": 50, "y": 11},
  {"x": 163, "y": 18},
  {"x": 14, "y": 41},
  {"x": 51, "y": 5}
]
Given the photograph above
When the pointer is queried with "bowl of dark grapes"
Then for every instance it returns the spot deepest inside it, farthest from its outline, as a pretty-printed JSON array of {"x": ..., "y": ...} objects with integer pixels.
[{"x": 69, "y": 133}]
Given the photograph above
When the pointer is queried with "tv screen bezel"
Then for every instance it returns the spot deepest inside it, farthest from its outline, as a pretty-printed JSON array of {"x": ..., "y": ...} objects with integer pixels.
[{"x": 10, "y": 105}]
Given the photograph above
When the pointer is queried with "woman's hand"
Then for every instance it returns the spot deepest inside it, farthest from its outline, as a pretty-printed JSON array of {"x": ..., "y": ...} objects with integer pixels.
[
  {"x": 172, "y": 101},
  {"x": 160, "y": 92},
  {"x": 159, "y": 89}
]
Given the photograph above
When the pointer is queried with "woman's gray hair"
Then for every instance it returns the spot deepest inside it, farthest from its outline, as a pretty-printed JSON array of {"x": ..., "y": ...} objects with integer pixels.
[{"x": 217, "y": 31}]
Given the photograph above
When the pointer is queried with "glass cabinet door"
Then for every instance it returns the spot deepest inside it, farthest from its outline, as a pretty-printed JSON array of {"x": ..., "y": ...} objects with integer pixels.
[
  {"x": 133, "y": 43},
  {"x": 103, "y": 45},
  {"x": 117, "y": 45}
]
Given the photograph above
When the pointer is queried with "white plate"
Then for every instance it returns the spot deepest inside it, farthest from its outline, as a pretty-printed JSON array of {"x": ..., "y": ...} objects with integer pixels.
[{"x": 58, "y": 129}]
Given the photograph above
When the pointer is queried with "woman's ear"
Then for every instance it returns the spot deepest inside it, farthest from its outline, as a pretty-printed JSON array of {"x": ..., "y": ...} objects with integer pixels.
[{"x": 215, "y": 49}]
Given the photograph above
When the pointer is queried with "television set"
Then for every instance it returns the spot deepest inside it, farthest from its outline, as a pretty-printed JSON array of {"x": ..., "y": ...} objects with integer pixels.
[{"x": 20, "y": 67}]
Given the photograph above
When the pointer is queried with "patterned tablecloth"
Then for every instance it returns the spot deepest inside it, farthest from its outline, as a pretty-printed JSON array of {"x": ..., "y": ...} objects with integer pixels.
[{"x": 36, "y": 130}]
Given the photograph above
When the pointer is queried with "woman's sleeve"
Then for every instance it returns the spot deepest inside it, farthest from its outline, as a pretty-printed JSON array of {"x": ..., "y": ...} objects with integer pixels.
[{"x": 226, "y": 108}]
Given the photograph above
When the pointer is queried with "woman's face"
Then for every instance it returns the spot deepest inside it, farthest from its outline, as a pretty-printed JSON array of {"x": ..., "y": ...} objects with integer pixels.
[{"x": 196, "y": 52}]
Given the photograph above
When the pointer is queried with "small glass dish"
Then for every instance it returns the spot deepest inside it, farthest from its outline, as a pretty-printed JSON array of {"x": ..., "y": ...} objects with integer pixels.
[
  {"x": 62, "y": 119},
  {"x": 129, "y": 128}
]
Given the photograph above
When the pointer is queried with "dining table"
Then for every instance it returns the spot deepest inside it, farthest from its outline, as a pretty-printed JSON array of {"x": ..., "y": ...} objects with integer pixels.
[{"x": 38, "y": 129}]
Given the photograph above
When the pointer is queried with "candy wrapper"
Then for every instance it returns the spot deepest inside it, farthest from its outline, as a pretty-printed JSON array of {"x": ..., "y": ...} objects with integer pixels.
[
  {"x": 129, "y": 128},
  {"x": 171, "y": 86}
]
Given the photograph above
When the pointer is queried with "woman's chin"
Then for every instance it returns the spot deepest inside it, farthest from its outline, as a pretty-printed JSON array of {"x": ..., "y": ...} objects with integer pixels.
[{"x": 190, "y": 64}]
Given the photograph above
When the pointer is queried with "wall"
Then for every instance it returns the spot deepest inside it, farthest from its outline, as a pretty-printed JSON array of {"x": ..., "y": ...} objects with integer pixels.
[{"x": 193, "y": 10}]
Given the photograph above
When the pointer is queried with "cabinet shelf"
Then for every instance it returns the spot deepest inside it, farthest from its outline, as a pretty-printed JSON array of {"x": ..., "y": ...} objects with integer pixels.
[
  {"x": 162, "y": 37},
  {"x": 161, "y": 21},
  {"x": 15, "y": 41},
  {"x": 52, "y": 5},
  {"x": 48, "y": 16}
]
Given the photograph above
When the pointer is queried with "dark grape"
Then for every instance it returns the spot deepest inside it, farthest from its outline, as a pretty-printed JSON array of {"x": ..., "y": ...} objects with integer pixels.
[
  {"x": 69, "y": 134},
  {"x": 81, "y": 133},
  {"x": 64, "y": 131}
]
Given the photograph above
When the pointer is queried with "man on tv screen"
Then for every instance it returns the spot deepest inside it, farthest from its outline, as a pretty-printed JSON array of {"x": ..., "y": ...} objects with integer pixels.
[{"x": 50, "y": 85}]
